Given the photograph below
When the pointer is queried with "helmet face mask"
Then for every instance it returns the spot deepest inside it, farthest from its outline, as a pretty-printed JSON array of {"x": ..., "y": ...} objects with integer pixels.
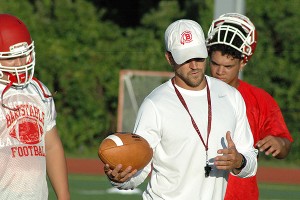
[
  {"x": 15, "y": 43},
  {"x": 234, "y": 30},
  {"x": 17, "y": 57}
]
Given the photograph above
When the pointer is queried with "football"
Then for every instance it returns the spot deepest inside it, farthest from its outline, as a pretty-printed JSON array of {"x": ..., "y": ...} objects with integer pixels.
[{"x": 127, "y": 149}]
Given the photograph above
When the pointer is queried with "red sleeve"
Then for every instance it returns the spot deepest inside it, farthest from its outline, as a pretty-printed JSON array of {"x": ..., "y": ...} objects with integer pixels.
[
  {"x": 263, "y": 113},
  {"x": 273, "y": 123}
]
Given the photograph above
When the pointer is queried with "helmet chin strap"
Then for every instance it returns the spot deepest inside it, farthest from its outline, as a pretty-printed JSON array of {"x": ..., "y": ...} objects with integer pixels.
[{"x": 14, "y": 79}]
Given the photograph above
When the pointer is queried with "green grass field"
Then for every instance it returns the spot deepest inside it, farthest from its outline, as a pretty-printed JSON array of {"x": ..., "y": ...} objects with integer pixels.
[{"x": 87, "y": 187}]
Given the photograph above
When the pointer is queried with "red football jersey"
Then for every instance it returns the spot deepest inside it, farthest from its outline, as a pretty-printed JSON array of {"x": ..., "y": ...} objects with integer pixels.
[{"x": 265, "y": 118}]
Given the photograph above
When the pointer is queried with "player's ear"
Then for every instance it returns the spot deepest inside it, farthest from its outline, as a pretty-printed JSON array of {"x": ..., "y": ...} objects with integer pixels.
[{"x": 242, "y": 65}]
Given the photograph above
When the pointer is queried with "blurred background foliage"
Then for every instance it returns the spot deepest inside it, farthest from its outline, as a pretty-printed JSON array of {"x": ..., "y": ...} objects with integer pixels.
[{"x": 81, "y": 45}]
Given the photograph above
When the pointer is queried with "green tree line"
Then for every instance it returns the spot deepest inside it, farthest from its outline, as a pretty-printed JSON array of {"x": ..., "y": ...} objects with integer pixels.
[{"x": 82, "y": 45}]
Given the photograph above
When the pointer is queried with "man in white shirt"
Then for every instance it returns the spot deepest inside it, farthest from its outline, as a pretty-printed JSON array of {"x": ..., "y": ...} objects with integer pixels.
[{"x": 196, "y": 125}]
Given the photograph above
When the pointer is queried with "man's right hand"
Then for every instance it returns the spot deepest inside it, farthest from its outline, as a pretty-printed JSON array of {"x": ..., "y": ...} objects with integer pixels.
[{"x": 118, "y": 176}]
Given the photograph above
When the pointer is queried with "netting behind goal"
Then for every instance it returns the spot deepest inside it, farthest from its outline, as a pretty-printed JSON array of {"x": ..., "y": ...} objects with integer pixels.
[{"x": 134, "y": 86}]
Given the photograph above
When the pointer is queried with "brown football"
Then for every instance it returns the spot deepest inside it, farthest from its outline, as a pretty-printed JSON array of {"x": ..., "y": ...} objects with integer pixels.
[{"x": 127, "y": 149}]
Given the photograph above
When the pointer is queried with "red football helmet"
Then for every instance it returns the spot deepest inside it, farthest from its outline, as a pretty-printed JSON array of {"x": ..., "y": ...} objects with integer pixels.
[
  {"x": 15, "y": 41},
  {"x": 228, "y": 24}
]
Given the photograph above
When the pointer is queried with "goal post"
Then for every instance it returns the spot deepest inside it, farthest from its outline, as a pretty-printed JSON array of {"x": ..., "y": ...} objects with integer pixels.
[{"x": 134, "y": 86}]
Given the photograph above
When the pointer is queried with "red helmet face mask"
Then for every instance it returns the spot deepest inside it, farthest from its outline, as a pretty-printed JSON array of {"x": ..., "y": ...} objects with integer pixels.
[
  {"x": 15, "y": 42},
  {"x": 228, "y": 24}
]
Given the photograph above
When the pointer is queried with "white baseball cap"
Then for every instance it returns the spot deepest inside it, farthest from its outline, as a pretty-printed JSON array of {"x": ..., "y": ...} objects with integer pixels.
[{"x": 185, "y": 40}]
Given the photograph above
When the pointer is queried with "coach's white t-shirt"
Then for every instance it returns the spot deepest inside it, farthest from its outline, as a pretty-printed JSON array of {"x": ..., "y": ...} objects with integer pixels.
[
  {"x": 22, "y": 142},
  {"x": 179, "y": 155}
]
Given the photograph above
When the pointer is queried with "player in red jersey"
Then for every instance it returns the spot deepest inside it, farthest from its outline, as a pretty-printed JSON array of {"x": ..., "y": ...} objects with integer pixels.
[{"x": 231, "y": 42}]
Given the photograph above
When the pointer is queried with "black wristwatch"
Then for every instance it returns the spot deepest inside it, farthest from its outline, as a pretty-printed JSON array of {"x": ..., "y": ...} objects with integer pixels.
[{"x": 244, "y": 162}]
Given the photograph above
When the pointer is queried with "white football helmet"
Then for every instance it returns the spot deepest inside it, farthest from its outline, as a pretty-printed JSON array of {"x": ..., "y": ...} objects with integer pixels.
[
  {"x": 233, "y": 25},
  {"x": 15, "y": 41}
]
